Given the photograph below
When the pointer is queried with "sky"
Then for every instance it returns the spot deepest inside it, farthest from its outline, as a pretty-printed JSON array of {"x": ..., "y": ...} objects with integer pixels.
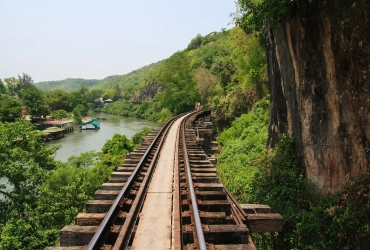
[{"x": 93, "y": 39}]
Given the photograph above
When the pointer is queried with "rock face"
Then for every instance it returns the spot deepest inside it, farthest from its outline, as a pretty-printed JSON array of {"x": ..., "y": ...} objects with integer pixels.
[
  {"x": 319, "y": 77},
  {"x": 147, "y": 93}
]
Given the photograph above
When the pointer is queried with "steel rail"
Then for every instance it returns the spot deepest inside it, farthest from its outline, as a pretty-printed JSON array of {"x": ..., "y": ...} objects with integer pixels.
[
  {"x": 240, "y": 215},
  {"x": 198, "y": 224},
  {"x": 102, "y": 232}
]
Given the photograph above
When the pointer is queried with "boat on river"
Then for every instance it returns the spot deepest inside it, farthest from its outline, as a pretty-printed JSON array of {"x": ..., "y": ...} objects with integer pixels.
[{"x": 88, "y": 123}]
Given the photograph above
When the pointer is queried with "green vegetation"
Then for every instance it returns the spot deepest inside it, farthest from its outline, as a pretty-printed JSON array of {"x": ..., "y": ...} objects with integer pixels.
[
  {"x": 47, "y": 194},
  {"x": 246, "y": 138},
  {"x": 128, "y": 83},
  {"x": 225, "y": 70},
  {"x": 275, "y": 177},
  {"x": 20, "y": 96}
]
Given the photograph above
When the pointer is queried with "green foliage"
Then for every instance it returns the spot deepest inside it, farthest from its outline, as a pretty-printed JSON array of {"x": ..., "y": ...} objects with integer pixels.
[
  {"x": 10, "y": 108},
  {"x": 130, "y": 82},
  {"x": 148, "y": 110},
  {"x": 58, "y": 100},
  {"x": 11, "y": 85},
  {"x": 280, "y": 183},
  {"x": 60, "y": 114},
  {"x": 195, "y": 42},
  {"x": 223, "y": 70},
  {"x": 275, "y": 177},
  {"x": 238, "y": 63},
  {"x": 85, "y": 160},
  {"x": 256, "y": 12},
  {"x": 43, "y": 201},
  {"x": 236, "y": 164},
  {"x": 118, "y": 145},
  {"x": 175, "y": 72},
  {"x": 3, "y": 89},
  {"x": 311, "y": 221},
  {"x": 119, "y": 108},
  {"x": 349, "y": 213},
  {"x": 137, "y": 138},
  {"x": 206, "y": 84},
  {"x": 23, "y": 158},
  {"x": 33, "y": 100}
]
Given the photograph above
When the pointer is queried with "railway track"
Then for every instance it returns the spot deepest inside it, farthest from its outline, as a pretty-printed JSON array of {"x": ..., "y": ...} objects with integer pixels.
[{"x": 156, "y": 186}]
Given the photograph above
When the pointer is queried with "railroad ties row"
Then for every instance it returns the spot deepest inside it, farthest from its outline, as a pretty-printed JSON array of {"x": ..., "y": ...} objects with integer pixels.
[
  {"x": 226, "y": 224},
  {"x": 77, "y": 236},
  {"x": 221, "y": 228}
]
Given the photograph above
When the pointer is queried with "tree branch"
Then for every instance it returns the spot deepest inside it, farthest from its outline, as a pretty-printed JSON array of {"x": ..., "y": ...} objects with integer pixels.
[{"x": 5, "y": 193}]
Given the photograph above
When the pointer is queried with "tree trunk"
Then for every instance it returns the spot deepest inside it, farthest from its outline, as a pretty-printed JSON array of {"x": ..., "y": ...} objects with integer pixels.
[{"x": 319, "y": 77}]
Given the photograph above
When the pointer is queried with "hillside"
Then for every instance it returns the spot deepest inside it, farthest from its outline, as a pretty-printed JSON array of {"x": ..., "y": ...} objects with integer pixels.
[
  {"x": 128, "y": 82},
  {"x": 134, "y": 78},
  {"x": 68, "y": 85}
]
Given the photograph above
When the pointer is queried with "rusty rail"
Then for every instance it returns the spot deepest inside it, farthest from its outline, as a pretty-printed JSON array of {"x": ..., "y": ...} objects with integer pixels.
[{"x": 198, "y": 224}]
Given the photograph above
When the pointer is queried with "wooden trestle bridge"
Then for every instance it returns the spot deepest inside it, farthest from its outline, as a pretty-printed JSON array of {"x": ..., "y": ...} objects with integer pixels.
[{"x": 167, "y": 195}]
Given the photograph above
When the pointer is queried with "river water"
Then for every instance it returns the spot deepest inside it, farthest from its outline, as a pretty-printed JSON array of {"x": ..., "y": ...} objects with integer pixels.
[
  {"x": 80, "y": 141},
  {"x": 86, "y": 140}
]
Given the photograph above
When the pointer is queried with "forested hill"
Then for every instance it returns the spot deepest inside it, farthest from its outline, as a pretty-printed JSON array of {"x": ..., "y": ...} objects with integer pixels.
[
  {"x": 125, "y": 82},
  {"x": 69, "y": 85}
]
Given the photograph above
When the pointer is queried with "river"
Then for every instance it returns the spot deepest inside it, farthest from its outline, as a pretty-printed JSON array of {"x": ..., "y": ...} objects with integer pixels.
[
  {"x": 80, "y": 141},
  {"x": 86, "y": 140}
]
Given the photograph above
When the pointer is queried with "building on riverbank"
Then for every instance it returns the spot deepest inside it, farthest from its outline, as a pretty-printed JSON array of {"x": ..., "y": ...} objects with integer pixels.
[
  {"x": 53, "y": 133},
  {"x": 67, "y": 125}
]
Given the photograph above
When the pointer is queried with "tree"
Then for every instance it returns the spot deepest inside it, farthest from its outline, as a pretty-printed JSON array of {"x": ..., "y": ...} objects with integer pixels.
[
  {"x": 224, "y": 68},
  {"x": 176, "y": 71},
  {"x": 93, "y": 95},
  {"x": 80, "y": 110},
  {"x": 206, "y": 83},
  {"x": 195, "y": 42},
  {"x": 11, "y": 85},
  {"x": 85, "y": 160},
  {"x": 60, "y": 114},
  {"x": 118, "y": 145},
  {"x": 23, "y": 161},
  {"x": 78, "y": 102},
  {"x": 58, "y": 99},
  {"x": 3, "y": 89},
  {"x": 108, "y": 94},
  {"x": 33, "y": 100},
  {"x": 10, "y": 108},
  {"x": 117, "y": 93},
  {"x": 25, "y": 81}
]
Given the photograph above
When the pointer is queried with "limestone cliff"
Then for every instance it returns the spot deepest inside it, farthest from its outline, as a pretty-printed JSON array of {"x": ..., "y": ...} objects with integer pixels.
[
  {"x": 319, "y": 77},
  {"x": 147, "y": 92}
]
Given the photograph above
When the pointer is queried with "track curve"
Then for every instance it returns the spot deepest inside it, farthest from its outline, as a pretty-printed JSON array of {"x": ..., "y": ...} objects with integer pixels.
[{"x": 201, "y": 213}]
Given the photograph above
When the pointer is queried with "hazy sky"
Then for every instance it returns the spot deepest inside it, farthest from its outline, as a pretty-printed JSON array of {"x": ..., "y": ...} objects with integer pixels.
[{"x": 91, "y": 39}]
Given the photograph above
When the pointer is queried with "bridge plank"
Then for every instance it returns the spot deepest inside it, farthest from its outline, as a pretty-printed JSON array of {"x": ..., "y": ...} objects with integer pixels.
[
  {"x": 261, "y": 223},
  {"x": 76, "y": 235}
]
